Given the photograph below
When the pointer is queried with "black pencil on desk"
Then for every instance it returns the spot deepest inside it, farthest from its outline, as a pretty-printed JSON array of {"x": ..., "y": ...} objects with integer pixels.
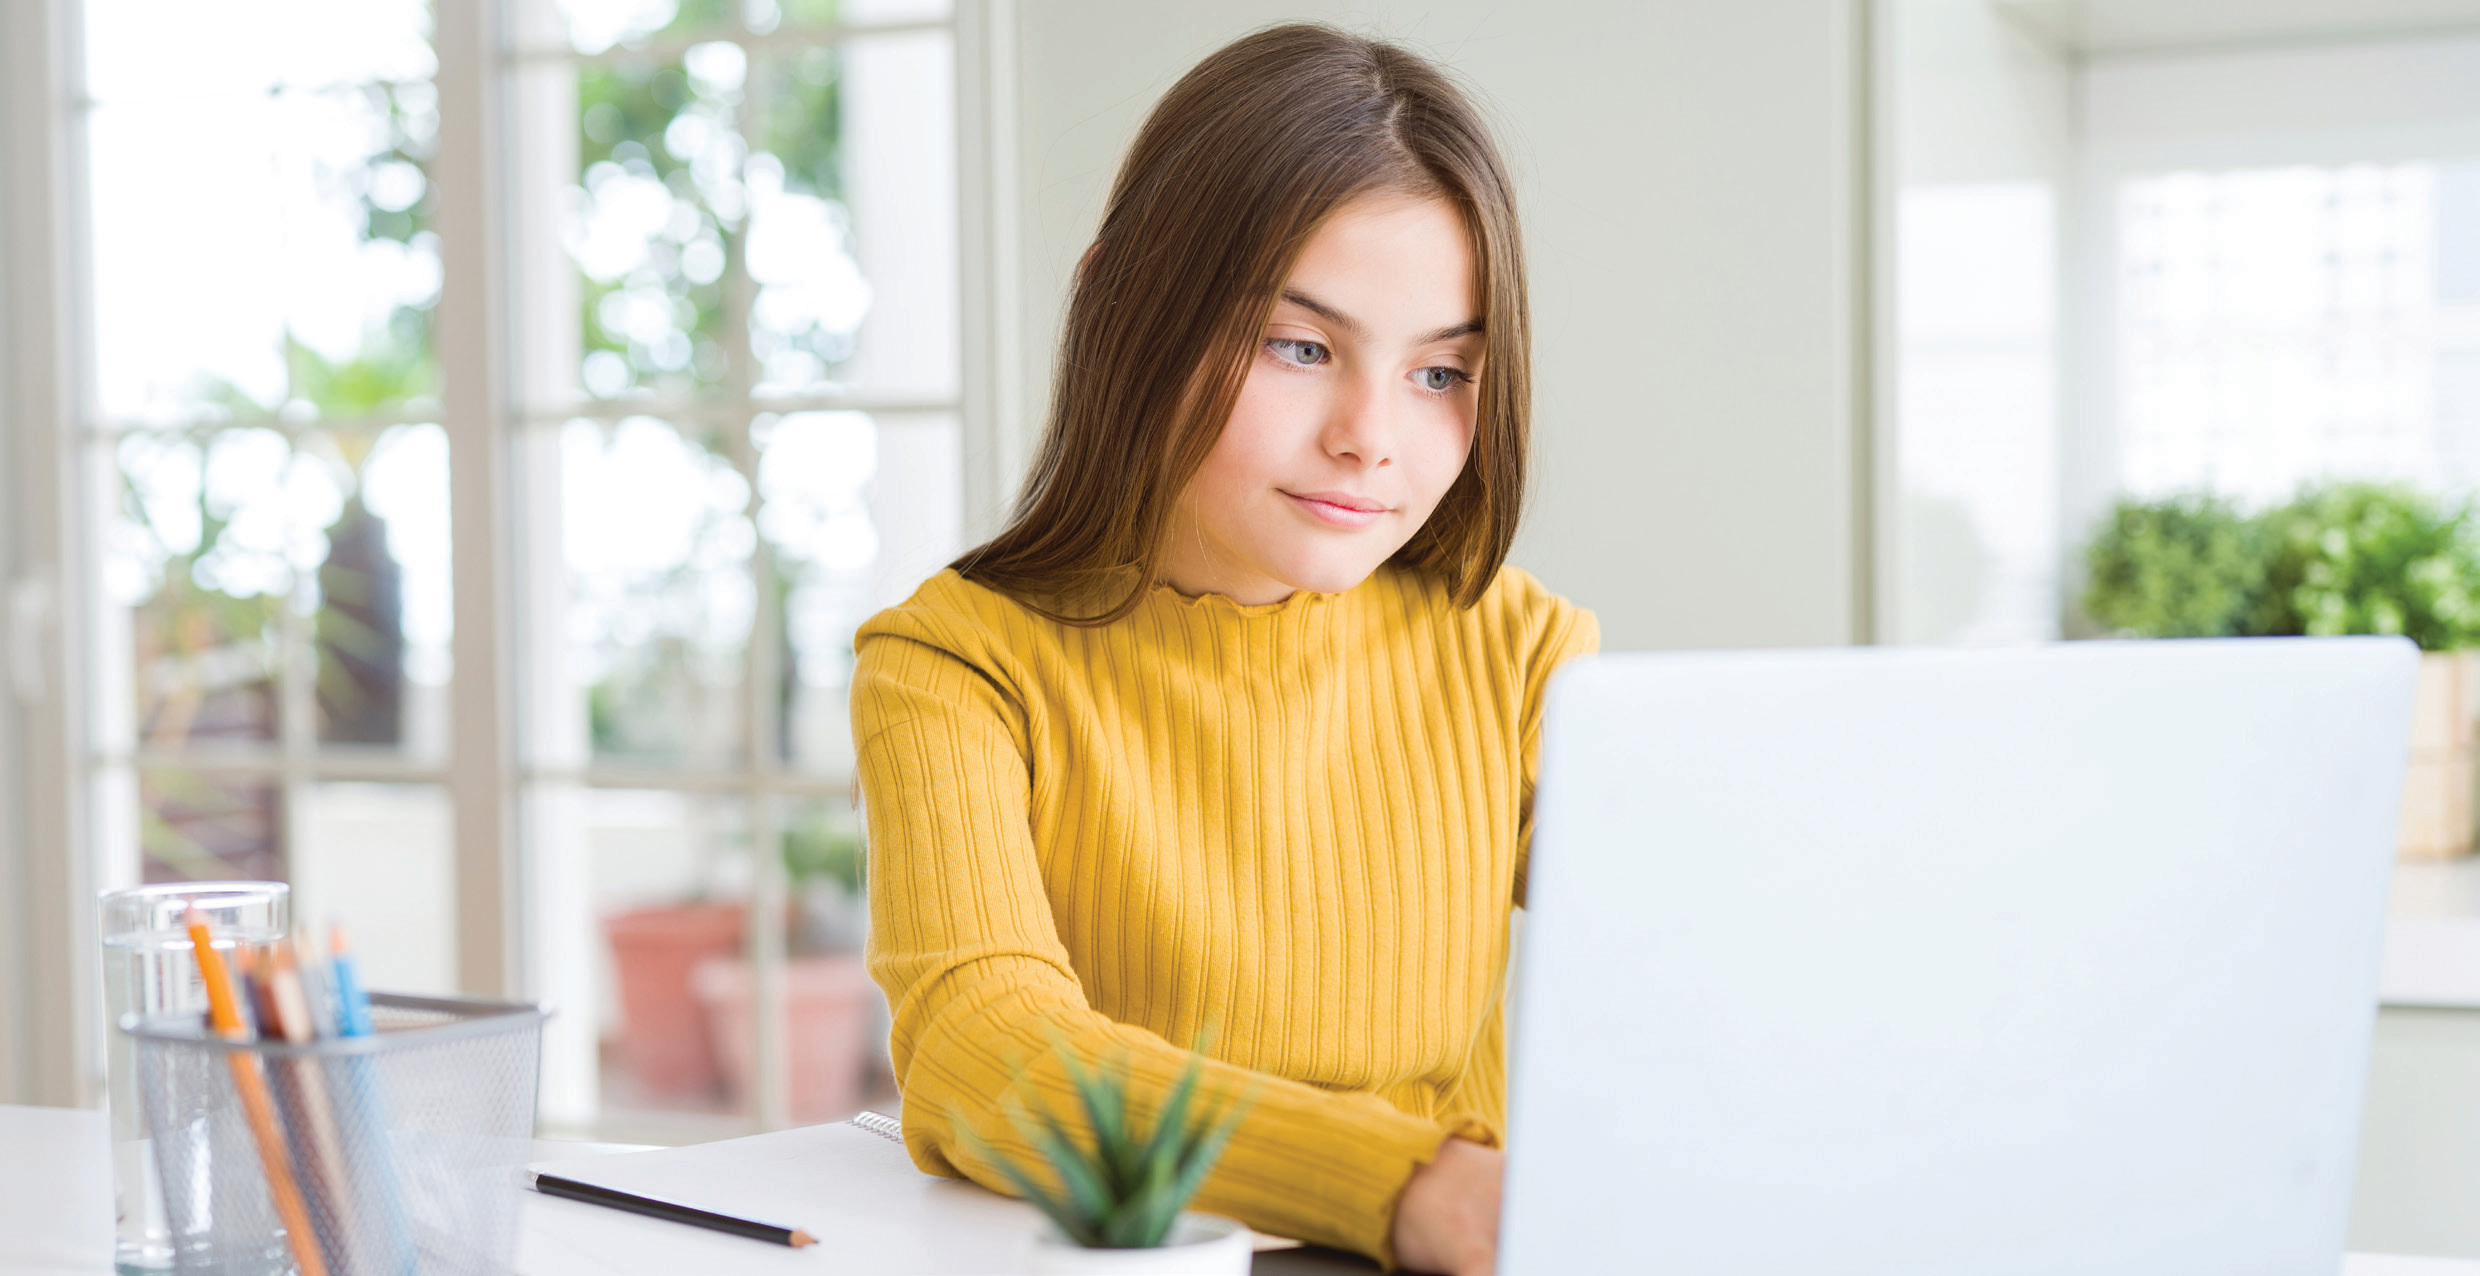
[{"x": 554, "y": 1185}]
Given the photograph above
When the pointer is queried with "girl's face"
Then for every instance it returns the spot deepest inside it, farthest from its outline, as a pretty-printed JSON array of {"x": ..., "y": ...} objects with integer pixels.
[{"x": 1355, "y": 417}]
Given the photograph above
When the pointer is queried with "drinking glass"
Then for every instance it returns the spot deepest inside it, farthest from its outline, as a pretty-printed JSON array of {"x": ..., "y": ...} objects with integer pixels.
[{"x": 150, "y": 968}]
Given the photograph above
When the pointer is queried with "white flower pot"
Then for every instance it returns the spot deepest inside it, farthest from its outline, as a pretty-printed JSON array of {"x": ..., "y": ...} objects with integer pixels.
[{"x": 1198, "y": 1245}]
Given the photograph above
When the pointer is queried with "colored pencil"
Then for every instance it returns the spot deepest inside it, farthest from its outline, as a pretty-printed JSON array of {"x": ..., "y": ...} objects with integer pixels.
[
  {"x": 310, "y": 1114},
  {"x": 374, "y": 1157},
  {"x": 554, "y": 1185},
  {"x": 250, "y": 1083}
]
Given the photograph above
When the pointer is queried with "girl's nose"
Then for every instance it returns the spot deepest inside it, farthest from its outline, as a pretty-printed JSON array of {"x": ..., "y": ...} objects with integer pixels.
[{"x": 1362, "y": 424}]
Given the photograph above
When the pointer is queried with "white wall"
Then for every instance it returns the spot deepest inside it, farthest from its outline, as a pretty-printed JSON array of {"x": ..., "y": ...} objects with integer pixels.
[
  {"x": 1981, "y": 154},
  {"x": 1686, "y": 176}
]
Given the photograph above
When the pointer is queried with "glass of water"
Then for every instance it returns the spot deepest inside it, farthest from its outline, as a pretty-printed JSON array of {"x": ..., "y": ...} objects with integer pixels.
[{"x": 149, "y": 968}]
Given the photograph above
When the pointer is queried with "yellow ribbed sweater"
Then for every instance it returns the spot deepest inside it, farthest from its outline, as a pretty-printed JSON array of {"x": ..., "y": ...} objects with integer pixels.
[{"x": 1300, "y": 823}]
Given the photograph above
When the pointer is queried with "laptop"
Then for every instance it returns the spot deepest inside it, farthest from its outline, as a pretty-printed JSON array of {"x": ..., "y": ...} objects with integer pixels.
[{"x": 2056, "y": 960}]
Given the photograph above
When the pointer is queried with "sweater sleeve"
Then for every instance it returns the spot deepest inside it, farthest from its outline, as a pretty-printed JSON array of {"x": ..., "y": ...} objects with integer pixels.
[
  {"x": 1566, "y": 630},
  {"x": 963, "y": 942}
]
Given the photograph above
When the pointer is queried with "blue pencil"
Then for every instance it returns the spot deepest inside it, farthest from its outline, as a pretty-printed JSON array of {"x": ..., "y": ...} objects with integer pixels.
[{"x": 375, "y": 1162}]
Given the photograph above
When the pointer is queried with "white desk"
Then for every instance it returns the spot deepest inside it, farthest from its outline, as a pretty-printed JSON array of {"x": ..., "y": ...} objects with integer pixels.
[
  {"x": 56, "y": 1206},
  {"x": 2432, "y": 937},
  {"x": 2419, "y": 1158}
]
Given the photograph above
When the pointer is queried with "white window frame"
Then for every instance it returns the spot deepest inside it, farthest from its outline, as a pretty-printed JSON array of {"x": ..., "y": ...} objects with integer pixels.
[
  {"x": 46, "y": 976},
  {"x": 48, "y": 871}
]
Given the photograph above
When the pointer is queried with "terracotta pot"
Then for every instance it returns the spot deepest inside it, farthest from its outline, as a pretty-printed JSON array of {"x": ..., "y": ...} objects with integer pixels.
[
  {"x": 827, "y": 1023},
  {"x": 663, "y": 1028},
  {"x": 2437, "y": 819}
]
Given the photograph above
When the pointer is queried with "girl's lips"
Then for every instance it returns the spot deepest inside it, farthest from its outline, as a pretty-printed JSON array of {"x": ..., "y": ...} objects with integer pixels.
[{"x": 1337, "y": 515}]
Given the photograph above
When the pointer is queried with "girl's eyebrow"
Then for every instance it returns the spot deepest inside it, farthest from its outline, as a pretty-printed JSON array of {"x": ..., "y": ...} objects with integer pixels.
[{"x": 1361, "y": 330}]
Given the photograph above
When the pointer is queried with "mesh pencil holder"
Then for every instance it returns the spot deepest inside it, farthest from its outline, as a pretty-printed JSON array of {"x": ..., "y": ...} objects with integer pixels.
[{"x": 402, "y": 1148}]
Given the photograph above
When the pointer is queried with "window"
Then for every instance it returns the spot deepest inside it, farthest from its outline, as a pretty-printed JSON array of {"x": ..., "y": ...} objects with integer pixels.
[
  {"x": 738, "y": 434},
  {"x": 2278, "y": 325},
  {"x": 268, "y": 482},
  {"x": 2283, "y": 263},
  {"x": 2125, "y": 265},
  {"x": 714, "y": 410}
]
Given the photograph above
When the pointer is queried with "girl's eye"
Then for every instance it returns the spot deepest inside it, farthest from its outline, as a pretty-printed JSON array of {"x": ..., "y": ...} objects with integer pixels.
[
  {"x": 1440, "y": 380},
  {"x": 1306, "y": 354}
]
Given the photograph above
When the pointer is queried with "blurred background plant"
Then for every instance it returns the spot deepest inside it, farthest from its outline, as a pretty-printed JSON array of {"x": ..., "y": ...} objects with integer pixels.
[
  {"x": 824, "y": 863},
  {"x": 2188, "y": 566},
  {"x": 2338, "y": 558},
  {"x": 824, "y": 849},
  {"x": 2368, "y": 558}
]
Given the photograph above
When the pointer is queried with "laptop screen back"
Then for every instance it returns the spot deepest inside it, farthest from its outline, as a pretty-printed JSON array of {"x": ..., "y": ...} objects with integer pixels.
[{"x": 2045, "y": 960}]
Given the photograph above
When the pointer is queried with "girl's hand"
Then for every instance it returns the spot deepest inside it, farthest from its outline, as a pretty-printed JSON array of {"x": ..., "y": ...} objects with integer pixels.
[{"x": 1447, "y": 1221}]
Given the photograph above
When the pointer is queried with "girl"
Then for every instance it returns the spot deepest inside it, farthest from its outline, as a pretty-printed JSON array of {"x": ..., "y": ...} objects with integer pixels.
[{"x": 1235, "y": 723}]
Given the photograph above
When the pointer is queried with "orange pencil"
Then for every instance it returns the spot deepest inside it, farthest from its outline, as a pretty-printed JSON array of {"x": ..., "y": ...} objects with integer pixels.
[{"x": 251, "y": 1084}]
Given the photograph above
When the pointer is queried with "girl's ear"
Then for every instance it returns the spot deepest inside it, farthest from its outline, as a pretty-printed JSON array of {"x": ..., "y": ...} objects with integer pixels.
[{"x": 1086, "y": 261}]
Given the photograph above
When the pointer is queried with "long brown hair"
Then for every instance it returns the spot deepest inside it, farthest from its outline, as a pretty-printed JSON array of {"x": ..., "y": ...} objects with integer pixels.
[{"x": 1237, "y": 166}]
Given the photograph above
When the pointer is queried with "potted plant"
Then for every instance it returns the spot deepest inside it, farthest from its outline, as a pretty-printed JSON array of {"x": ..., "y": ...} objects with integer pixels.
[
  {"x": 830, "y": 1005},
  {"x": 2341, "y": 558},
  {"x": 2367, "y": 558},
  {"x": 1120, "y": 1207},
  {"x": 655, "y": 951},
  {"x": 2190, "y": 566}
]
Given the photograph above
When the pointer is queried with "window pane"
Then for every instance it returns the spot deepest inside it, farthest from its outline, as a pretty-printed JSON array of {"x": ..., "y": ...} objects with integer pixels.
[
  {"x": 199, "y": 827},
  {"x": 384, "y": 620},
  {"x": 237, "y": 553},
  {"x": 837, "y": 1020},
  {"x": 2287, "y": 324},
  {"x": 853, "y": 218},
  {"x": 833, "y": 218},
  {"x": 260, "y": 253},
  {"x": 858, "y": 511},
  {"x": 376, "y": 858},
  {"x": 657, "y": 541},
  {"x": 669, "y": 887},
  {"x": 174, "y": 48},
  {"x": 659, "y": 208},
  {"x": 810, "y": 292},
  {"x": 596, "y": 25},
  {"x": 857, "y": 12},
  {"x": 380, "y": 860},
  {"x": 211, "y": 534}
]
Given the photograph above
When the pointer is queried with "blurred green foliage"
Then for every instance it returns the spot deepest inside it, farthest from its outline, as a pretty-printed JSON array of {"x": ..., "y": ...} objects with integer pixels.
[
  {"x": 625, "y": 117},
  {"x": 824, "y": 847},
  {"x": 2338, "y": 558},
  {"x": 2187, "y": 567},
  {"x": 2367, "y": 558},
  {"x": 802, "y": 122}
]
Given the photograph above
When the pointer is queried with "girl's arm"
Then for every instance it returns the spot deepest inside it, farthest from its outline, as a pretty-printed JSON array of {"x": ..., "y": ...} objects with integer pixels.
[
  {"x": 962, "y": 940},
  {"x": 1566, "y": 631}
]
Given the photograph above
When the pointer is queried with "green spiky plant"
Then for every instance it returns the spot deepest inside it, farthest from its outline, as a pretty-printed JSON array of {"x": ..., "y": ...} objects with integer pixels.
[{"x": 1129, "y": 1186}]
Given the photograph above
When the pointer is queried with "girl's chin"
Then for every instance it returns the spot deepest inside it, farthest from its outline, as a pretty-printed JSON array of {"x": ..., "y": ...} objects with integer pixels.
[{"x": 1327, "y": 576}]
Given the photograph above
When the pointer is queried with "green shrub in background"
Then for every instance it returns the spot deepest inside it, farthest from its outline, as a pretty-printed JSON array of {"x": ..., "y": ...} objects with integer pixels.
[
  {"x": 2373, "y": 558},
  {"x": 824, "y": 848},
  {"x": 2340, "y": 558},
  {"x": 2190, "y": 566}
]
